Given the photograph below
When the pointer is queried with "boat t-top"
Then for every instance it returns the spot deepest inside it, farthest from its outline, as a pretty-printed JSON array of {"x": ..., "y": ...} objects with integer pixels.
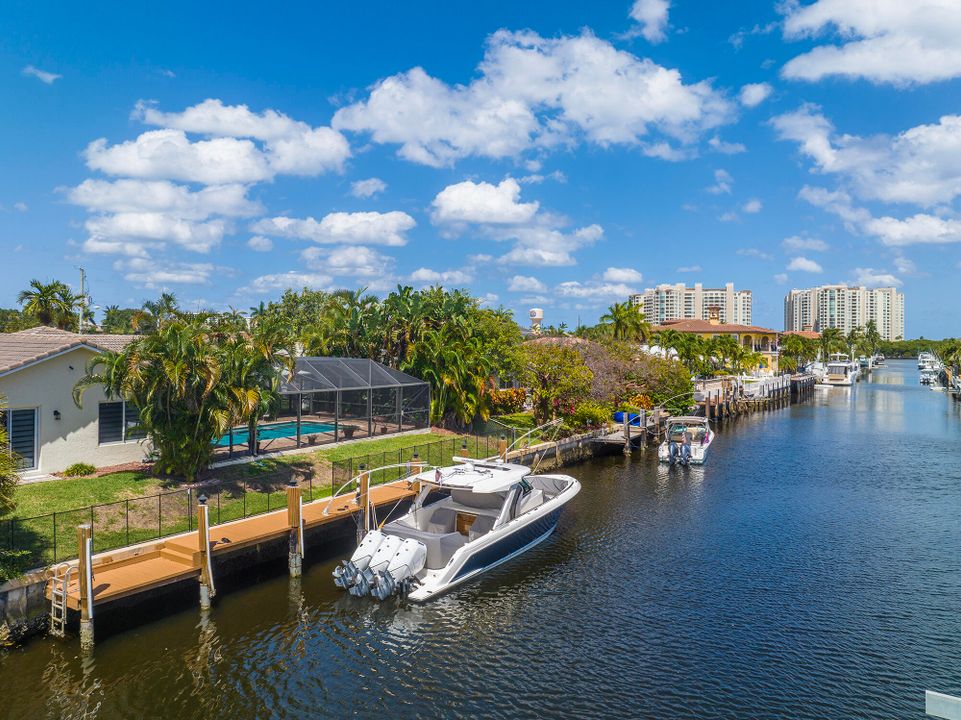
[
  {"x": 489, "y": 512},
  {"x": 688, "y": 439}
]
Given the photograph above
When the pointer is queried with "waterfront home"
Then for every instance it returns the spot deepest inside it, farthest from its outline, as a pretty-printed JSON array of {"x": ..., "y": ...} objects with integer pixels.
[
  {"x": 753, "y": 337},
  {"x": 38, "y": 370}
]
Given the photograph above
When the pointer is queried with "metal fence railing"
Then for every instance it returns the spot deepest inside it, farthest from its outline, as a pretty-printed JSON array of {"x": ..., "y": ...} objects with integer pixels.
[{"x": 252, "y": 489}]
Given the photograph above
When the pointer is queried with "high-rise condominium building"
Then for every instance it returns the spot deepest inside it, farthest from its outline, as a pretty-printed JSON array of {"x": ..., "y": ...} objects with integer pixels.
[
  {"x": 678, "y": 302},
  {"x": 846, "y": 308}
]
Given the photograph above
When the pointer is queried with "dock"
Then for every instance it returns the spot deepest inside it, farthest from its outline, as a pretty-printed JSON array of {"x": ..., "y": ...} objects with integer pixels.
[{"x": 144, "y": 568}]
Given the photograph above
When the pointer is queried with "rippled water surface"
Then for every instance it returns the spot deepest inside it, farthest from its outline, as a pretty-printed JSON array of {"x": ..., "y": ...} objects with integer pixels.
[{"x": 811, "y": 570}]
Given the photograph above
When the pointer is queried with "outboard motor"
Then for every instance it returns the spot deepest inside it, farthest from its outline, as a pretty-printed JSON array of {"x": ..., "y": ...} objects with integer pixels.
[
  {"x": 406, "y": 563},
  {"x": 346, "y": 575},
  {"x": 380, "y": 560}
]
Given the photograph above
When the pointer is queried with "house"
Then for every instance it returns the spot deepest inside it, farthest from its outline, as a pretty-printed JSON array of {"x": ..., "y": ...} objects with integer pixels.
[
  {"x": 753, "y": 337},
  {"x": 38, "y": 370}
]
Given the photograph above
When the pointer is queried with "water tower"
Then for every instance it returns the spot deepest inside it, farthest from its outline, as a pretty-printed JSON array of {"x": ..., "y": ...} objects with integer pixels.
[{"x": 537, "y": 317}]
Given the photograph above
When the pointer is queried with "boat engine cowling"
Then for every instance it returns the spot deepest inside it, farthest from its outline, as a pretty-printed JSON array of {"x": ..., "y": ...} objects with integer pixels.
[
  {"x": 346, "y": 575},
  {"x": 380, "y": 560},
  {"x": 409, "y": 560}
]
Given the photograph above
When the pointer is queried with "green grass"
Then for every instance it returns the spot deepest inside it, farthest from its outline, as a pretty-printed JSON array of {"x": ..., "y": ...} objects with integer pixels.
[
  {"x": 368, "y": 447},
  {"x": 521, "y": 421},
  {"x": 69, "y": 493}
]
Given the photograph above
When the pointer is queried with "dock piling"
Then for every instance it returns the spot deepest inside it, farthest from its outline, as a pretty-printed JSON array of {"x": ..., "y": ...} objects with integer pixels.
[
  {"x": 502, "y": 448},
  {"x": 85, "y": 567},
  {"x": 295, "y": 521},
  {"x": 207, "y": 590},
  {"x": 363, "y": 500}
]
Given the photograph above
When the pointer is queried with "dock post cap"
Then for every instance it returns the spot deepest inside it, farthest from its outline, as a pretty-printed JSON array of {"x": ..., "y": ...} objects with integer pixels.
[
  {"x": 85, "y": 526},
  {"x": 416, "y": 455},
  {"x": 202, "y": 499},
  {"x": 292, "y": 483}
]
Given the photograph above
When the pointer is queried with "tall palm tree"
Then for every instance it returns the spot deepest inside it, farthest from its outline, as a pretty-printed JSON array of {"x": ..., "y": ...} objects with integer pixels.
[
  {"x": 155, "y": 313},
  {"x": 627, "y": 322},
  {"x": 50, "y": 303},
  {"x": 872, "y": 337},
  {"x": 831, "y": 340},
  {"x": 854, "y": 340}
]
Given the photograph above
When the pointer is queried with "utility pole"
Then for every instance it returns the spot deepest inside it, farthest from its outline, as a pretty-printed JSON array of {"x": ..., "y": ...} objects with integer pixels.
[{"x": 83, "y": 301}]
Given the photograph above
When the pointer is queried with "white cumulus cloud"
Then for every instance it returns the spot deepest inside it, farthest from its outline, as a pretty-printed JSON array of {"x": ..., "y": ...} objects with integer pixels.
[
  {"x": 367, "y": 188},
  {"x": 427, "y": 276},
  {"x": 526, "y": 283},
  {"x": 752, "y": 206},
  {"x": 349, "y": 260},
  {"x": 360, "y": 228},
  {"x": 652, "y": 15},
  {"x": 882, "y": 41},
  {"x": 753, "y": 94},
  {"x": 869, "y": 277},
  {"x": 290, "y": 280},
  {"x": 796, "y": 242},
  {"x": 622, "y": 275},
  {"x": 533, "y": 92},
  {"x": 803, "y": 264},
  {"x": 482, "y": 202},
  {"x": 259, "y": 243}
]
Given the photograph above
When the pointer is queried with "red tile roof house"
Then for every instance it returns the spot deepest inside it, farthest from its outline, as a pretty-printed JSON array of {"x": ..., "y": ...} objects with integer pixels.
[{"x": 38, "y": 370}]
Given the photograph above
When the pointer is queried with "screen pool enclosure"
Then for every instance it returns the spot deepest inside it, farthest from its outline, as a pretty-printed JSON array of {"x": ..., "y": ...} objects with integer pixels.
[{"x": 326, "y": 400}]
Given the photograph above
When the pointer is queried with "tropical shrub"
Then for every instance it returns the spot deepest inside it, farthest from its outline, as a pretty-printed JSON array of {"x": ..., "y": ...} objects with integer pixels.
[
  {"x": 556, "y": 377},
  {"x": 9, "y": 475},
  {"x": 590, "y": 414},
  {"x": 506, "y": 401},
  {"x": 79, "y": 469}
]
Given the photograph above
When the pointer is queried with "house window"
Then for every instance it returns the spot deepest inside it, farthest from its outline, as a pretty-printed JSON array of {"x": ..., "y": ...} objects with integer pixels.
[
  {"x": 119, "y": 423},
  {"x": 21, "y": 427}
]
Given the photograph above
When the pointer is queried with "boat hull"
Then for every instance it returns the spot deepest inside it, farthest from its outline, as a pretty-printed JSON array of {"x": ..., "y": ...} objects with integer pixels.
[{"x": 493, "y": 549}]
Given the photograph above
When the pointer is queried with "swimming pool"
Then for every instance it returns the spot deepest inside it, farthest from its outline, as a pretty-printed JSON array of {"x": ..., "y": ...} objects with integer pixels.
[{"x": 276, "y": 430}]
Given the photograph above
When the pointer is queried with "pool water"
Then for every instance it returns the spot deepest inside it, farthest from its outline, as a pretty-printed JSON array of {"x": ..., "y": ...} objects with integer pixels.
[{"x": 276, "y": 430}]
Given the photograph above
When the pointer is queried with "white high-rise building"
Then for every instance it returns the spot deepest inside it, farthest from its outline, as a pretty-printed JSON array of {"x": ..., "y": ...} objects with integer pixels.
[
  {"x": 679, "y": 302},
  {"x": 846, "y": 308}
]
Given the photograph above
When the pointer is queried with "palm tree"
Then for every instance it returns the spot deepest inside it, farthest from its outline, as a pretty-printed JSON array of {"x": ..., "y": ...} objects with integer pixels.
[
  {"x": 724, "y": 348},
  {"x": 872, "y": 337},
  {"x": 794, "y": 349},
  {"x": 853, "y": 340},
  {"x": 831, "y": 340},
  {"x": 627, "y": 322},
  {"x": 154, "y": 314},
  {"x": 52, "y": 304}
]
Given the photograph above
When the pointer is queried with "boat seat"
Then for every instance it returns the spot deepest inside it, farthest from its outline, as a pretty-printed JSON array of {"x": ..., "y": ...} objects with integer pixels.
[
  {"x": 482, "y": 525},
  {"x": 532, "y": 500}
]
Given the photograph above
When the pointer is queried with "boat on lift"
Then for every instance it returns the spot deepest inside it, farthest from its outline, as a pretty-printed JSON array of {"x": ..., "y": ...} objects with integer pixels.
[
  {"x": 489, "y": 512},
  {"x": 689, "y": 437}
]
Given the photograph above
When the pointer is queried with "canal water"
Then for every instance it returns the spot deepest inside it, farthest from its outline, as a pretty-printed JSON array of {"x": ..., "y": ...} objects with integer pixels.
[{"x": 811, "y": 570}]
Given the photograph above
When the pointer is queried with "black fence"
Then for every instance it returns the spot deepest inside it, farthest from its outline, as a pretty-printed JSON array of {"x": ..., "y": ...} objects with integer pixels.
[{"x": 252, "y": 489}]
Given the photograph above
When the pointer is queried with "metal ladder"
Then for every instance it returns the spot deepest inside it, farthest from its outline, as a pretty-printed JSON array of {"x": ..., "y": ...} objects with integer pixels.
[{"x": 60, "y": 582}]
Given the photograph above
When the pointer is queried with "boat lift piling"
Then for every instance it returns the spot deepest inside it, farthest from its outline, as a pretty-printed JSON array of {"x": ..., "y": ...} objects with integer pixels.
[
  {"x": 85, "y": 579},
  {"x": 206, "y": 577},
  {"x": 363, "y": 501},
  {"x": 295, "y": 520}
]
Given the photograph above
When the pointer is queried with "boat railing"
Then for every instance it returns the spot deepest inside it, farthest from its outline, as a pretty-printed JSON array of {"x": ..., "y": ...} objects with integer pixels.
[{"x": 412, "y": 468}]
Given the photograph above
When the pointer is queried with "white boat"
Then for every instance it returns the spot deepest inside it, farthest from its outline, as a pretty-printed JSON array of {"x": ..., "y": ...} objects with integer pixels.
[
  {"x": 840, "y": 371},
  {"x": 930, "y": 367},
  {"x": 879, "y": 360},
  {"x": 490, "y": 512},
  {"x": 925, "y": 358},
  {"x": 686, "y": 430}
]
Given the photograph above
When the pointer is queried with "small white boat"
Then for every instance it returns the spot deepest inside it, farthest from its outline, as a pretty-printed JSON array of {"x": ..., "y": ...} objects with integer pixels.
[
  {"x": 689, "y": 437},
  {"x": 840, "y": 371},
  {"x": 930, "y": 367},
  {"x": 490, "y": 512},
  {"x": 925, "y": 358}
]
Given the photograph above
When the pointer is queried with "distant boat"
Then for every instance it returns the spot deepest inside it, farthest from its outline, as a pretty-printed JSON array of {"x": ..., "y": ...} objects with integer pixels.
[
  {"x": 841, "y": 370},
  {"x": 689, "y": 437}
]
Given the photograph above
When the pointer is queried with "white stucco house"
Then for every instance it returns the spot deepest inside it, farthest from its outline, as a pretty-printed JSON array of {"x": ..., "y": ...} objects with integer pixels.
[{"x": 38, "y": 370}]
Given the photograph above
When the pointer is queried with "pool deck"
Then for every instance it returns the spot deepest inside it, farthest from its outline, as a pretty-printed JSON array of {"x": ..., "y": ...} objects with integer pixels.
[{"x": 129, "y": 571}]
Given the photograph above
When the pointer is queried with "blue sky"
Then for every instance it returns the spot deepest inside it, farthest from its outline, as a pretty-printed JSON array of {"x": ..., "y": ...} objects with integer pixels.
[{"x": 535, "y": 153}]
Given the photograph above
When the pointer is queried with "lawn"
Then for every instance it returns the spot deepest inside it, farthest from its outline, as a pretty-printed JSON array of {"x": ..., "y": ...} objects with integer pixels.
[{"x": 130, "y": 507}]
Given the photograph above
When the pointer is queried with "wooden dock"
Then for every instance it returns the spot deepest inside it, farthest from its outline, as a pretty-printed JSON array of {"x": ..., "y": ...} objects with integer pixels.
[{"x": 130, "y": 571}]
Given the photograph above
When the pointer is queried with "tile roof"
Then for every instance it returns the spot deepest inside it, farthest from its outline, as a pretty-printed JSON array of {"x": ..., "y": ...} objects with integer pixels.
[
  {"x": 704, "y": 326},
  {"x": 809, "y": 334},
  {"x": 19, "y": 349}
]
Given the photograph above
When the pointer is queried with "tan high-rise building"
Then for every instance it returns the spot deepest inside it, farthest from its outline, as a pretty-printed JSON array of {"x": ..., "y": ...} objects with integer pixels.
[
  {"x": 679, "y": 302},
  {"x": 847, "y": 308}
]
